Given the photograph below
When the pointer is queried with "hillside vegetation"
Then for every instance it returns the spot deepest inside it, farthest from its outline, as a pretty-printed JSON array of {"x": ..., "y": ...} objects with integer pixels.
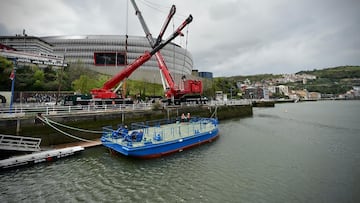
[
  {"x": 335, "y": 73},
  {"x": 335, "y": 80}
]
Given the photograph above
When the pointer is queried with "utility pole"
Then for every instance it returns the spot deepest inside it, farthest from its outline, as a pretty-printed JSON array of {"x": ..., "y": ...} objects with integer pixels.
[
  {"x": 60, "y": 78},
  {"x": 12, "y": 77}
]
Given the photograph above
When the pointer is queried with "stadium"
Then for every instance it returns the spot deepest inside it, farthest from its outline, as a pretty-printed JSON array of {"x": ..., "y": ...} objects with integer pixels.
[{"x": 108, "y": 54}]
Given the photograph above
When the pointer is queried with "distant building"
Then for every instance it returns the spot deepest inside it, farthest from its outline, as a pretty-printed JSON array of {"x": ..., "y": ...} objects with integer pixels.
[
  {"x": 314, "y": 95},
  {"x": 356, "y": 91},
  {"x": 283, "y": 89},
  {"x": 304, "y": 81},
  {"x": 219, "y": 96},
  {"x": 303, "y": 94},
  {"x": 195, "y": 72},
  {"x": 254, "y": 93},
  {"x": 29, "y": 44},
  {"x": 266, "y": 93},
  {"x": 29, "y": 50},
  {"x": 208, "y": 75},
  {"x": 272, "y": 89},
  {"x": 7, "y": 48},
  {"x": 107, "y": 54}
]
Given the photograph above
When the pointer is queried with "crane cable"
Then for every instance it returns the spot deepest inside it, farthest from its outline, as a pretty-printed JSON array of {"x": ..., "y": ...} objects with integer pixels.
[
  {"x": 174, "y": 65},
  {"x": 46, "y": 121},
  {"x": 186, "y": 44},
  {"x": 214, "y": 113},
  {"x": 123, "y": 94},
  {"x": 73, "y": 128}
]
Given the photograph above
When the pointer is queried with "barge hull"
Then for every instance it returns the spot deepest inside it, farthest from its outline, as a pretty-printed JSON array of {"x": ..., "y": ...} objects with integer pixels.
[{"x": 164, "y": 149}]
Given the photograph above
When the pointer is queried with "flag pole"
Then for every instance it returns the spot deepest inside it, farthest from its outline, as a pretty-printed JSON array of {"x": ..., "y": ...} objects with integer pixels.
[{"x": 12, "y": 86}]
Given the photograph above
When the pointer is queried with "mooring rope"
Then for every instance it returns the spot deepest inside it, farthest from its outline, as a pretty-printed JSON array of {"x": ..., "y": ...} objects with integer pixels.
[
  {"x": 65, "y": 133},
  {"x": 215, "y": 112},
  {"x": 73, "y": 128}
]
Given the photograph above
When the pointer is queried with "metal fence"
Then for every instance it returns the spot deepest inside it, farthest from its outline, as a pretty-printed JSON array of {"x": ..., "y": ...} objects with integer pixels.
[
  {"x": 230, "y": 102},
  {"x": 24, "y": 110},
  {"x": 32, "y": 110}
]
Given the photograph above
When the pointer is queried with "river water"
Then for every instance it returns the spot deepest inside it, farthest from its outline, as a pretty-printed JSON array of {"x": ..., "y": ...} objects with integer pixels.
[{"x": 303, "y": 152}]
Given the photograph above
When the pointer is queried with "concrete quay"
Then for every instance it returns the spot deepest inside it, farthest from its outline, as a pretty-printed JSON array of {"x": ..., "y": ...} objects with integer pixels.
[{"x": 33, "y": 127}]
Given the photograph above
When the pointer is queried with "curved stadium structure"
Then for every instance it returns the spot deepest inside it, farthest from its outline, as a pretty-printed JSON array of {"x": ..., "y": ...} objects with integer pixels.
[{"x": 108, "y": 54}]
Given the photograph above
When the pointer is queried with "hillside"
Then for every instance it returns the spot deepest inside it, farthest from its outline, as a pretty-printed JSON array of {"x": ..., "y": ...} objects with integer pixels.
[
  {"x": 340, "y": 72},
  {"x": 336, "y": 80},
  {"x": 258, "y": 77}
]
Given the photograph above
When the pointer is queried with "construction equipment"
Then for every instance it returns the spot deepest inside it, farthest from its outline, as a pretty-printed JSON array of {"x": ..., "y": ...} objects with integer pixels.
[
  {"x": 106, "y": 91},
  {"x": 192, "y": 89}
]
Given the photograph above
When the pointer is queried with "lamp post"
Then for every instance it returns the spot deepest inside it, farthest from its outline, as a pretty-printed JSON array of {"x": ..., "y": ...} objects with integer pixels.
[
  {"x": 231, "y": 93},
  {"x": 60, "y": 78},
  {"x": 12, "y": 77}
]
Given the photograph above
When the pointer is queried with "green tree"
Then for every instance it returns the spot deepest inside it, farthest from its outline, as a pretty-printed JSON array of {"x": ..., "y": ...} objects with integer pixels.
[
  {"x": 83, "y": 85},
  {"x": 75, "y": 70},
  {"x": 100, "y": 81},
  {"x": 39, "y": 77},
  {"x": 208, "y": 87},
  {"x": 51, "y": 80},
  {"x": 24, "y": 78},
  {"x": 63, "y": 79},
  {"x": 6, "y": 67}
]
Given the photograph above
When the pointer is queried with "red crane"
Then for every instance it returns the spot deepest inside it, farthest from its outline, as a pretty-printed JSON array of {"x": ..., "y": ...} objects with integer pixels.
[
  {"x": 106, "y": 91},
  {"x": 192, "y": 88}
]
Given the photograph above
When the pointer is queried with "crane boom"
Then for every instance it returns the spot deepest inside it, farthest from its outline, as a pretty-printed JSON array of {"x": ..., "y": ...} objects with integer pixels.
[
  {"x": 192, "y": 88},
  {"x": 165, "y": 25},
  {"x": 159, "y": 58},
  {"x": 106, "y": 93}
]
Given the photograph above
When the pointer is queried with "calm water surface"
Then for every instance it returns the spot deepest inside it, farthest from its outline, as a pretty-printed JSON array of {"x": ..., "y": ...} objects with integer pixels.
[{"x": 304, "y": 152}]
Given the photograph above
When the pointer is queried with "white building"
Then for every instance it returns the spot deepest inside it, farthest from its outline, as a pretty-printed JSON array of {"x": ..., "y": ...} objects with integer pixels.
[{"x": 108, "y": 54}]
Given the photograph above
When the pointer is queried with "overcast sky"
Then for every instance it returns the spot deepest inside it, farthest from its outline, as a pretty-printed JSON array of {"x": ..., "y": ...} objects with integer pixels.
[{"x": 226, "y": 37}]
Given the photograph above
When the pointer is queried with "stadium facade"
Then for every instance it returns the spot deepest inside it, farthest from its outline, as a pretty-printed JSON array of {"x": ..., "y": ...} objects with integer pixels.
[
  {"x": 109, "y": 54},
  {"x": 28, "y": 44}
]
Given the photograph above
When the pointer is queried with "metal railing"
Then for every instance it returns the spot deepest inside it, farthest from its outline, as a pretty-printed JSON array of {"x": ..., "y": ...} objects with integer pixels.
[
  {"x": 24, "y": 110},
  {"x": 230, "y": 102},
  {"x": 33, "y": 110},
  {"x": 19, "y": 143}
]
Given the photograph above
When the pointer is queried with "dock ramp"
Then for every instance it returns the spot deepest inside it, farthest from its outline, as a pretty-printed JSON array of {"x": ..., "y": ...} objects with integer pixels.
[
  {"x": 19, "y": 143},
  {"x": 38, "y": 157}
]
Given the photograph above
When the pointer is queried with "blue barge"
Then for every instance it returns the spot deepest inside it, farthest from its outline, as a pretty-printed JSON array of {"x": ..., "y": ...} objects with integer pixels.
[{"x": 157, "y": 138}]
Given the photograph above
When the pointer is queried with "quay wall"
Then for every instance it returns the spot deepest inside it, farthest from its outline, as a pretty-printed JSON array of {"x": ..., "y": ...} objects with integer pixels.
[{"x": 33, "y": 127}]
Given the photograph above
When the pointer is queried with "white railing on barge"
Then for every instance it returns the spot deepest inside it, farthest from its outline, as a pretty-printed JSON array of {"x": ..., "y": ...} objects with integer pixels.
[{"x": 19, "y": 143}]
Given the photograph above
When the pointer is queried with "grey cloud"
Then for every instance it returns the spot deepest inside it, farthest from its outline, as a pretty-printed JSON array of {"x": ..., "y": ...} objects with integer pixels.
[
  {"x": 4, "y": 30},
  {"x": 226, "y": 37}
]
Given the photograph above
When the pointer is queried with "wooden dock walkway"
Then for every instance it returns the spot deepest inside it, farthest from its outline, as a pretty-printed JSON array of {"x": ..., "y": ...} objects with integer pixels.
[
  {"x": 53, "y": 153},
  {"x": 93, "y": 143}
]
